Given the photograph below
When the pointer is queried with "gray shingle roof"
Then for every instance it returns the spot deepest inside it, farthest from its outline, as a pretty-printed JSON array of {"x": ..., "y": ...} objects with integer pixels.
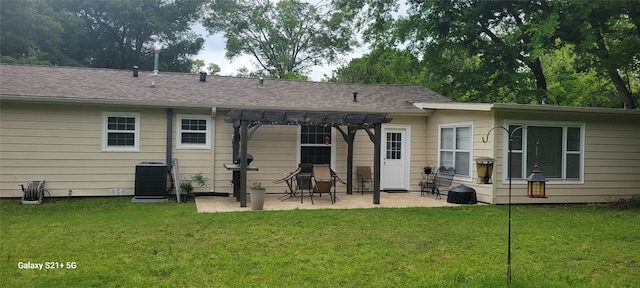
[{"x": 184, "y": 89}]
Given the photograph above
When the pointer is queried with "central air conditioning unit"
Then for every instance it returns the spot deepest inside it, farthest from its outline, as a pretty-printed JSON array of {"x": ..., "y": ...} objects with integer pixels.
[{"x": 151, "y": 180}]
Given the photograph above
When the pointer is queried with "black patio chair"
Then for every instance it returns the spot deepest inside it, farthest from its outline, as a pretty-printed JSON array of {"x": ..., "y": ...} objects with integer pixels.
[{"x": 443, "y": 178}]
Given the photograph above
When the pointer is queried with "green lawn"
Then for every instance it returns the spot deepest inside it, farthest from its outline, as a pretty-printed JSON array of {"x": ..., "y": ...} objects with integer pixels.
[{"x": 117, "y": 244}]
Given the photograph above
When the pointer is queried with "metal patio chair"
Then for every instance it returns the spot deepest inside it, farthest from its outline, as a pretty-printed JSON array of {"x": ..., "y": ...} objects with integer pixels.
[
  {"x": 324, "y": 179},
  {"x": 443, "y": 178},
  {"x": 364, "y": 175}
]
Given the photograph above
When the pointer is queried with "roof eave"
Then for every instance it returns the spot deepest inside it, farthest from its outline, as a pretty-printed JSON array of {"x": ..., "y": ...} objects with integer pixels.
[
  {"x": 520, "y": 107},
  {"x": 408, "y": 112}
]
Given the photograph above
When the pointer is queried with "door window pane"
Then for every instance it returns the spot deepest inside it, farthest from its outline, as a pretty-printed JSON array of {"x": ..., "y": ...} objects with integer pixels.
[{"x": 394, "y": 145}]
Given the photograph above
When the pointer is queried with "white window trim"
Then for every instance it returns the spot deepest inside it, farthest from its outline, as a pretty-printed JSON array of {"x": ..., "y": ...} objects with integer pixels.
[
  {"x": 560, "y": 124},
  {"x": 333, "y": 146},
  {"x": 105, "y": 131},
  {"x": 468, "y": 178},
  {"x": 179, "y": 144}
]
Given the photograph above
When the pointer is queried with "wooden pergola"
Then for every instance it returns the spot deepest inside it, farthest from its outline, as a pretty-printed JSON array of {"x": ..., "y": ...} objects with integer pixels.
[{"x": 247, "y": 121}]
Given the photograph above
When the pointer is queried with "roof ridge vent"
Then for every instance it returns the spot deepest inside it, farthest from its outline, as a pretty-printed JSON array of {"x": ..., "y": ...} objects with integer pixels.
[
  {"x": 260, "y": 82},
  {"x": 135, "y": 71},
  {"x": 203, "y": 76}
]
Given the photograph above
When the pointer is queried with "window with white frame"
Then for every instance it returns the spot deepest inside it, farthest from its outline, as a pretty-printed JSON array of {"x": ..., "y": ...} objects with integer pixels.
[
  {"x": 193, "y": 132},
  {"x": 315, "y": 144},
  {"x": 558, "y": 152},
  {"x": 121, "y": 132},
  {"x": 455, "y": 148}
]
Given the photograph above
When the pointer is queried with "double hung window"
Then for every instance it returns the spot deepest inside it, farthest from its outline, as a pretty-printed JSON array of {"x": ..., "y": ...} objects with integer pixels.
[
  {"x": 121, "y": 132},
  {"x": 455, "y": 148},
  {"x": 193, "y": 132},
  {"x": 315, "y": 144}
]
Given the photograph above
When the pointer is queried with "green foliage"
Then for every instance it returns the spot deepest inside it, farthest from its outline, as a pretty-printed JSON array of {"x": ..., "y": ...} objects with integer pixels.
[
  {"x": 606, "y": 37},
  {"x": 198, "y": 179},
  {"x": 381, "y": 66},
  {"x": 285, "y": 38},
  {"x": 506, "y": 51},
  {"x": 109, "y": 34},
  {"x": 118, "y": 244},
  {"x": 31, "y": 32}
]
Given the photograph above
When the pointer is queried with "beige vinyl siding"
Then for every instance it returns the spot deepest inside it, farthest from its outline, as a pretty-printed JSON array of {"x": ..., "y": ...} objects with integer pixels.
[
  {"x": 275, "y": 148},
  {"x": 611, "y": 157},
  {"x": 190, "y": 160},
  {"x": 482, "y": 122},
  {"x": 272, "y": 146},
  {"x": 418, "y": 151},
  {"x": 62, "y": 144}
]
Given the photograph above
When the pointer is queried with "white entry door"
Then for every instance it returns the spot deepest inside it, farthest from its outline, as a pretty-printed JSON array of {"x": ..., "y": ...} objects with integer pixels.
[{"x": 395, "y": 157}]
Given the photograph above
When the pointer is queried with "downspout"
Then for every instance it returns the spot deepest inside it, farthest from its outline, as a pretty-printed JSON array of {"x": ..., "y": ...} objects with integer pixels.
[
  {"x": 169, "y": 138},
  {"x": 212, "y": 156}
]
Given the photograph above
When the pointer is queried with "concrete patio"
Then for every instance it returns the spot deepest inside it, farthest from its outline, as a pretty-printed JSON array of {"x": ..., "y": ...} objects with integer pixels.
[{"x": 278, "y": 202}]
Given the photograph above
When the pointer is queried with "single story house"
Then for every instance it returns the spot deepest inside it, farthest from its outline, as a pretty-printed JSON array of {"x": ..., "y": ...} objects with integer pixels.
[{"x": 84, "y": 130}]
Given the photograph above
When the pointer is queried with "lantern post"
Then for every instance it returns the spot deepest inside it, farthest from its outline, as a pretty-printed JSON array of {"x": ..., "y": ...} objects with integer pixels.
[{"x": 533, "y": 185}]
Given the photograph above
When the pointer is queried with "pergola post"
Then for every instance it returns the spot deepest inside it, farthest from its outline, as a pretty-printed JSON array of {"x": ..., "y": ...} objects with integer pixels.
[
  {"x": 350, "y": 138},
  {"x": 243, "y": 162},
  {"x": 377, "y": 143}
]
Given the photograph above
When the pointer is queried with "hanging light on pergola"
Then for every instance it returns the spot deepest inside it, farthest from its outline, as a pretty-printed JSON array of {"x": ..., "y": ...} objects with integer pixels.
[{"x": 536, "y": 184}]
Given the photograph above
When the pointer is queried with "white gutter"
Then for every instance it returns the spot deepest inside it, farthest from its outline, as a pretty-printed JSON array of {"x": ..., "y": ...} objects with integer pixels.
[{"x": 527, "y": 107}]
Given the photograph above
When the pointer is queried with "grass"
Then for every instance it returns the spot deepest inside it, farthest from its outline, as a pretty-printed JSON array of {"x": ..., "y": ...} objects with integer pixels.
[{"x": 118, "y": 244}]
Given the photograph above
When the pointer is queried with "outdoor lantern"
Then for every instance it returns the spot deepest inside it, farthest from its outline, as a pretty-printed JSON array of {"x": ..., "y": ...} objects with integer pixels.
[
  {"x": 327, "y": 140},
  {"x": 484, "y": 168},
  {"x": 536, "y": 184}
]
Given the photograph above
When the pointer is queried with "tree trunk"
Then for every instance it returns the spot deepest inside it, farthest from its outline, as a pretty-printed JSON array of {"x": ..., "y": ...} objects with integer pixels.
[
  {"x": 603, "y": 54},
  {"x": 627, "y": 97}
]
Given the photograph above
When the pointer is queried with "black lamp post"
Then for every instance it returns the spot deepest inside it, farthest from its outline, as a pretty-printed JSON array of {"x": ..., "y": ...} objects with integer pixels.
[{"x": 534, "y": 179}]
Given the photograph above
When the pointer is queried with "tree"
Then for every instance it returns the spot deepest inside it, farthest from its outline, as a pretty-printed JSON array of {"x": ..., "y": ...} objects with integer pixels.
[
  {"x": 381, "y": 66},
  {"x": 285, "y": 38},
  {"x": 120, "y": 33},
  {"x": 110, "y": 34},
  {"x": 498, "y": 48},
  {"x": 30, "y": 32},
  {"x": 606, "y": 36},
  {"x": 197, "y": 65},
  {"x": 506, "y": 40},
  {"x": 213, "y": 68}
]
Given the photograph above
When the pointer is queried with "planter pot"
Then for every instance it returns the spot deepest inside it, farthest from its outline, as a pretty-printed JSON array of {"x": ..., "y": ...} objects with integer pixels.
[{"x": 257, "y": 198}]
